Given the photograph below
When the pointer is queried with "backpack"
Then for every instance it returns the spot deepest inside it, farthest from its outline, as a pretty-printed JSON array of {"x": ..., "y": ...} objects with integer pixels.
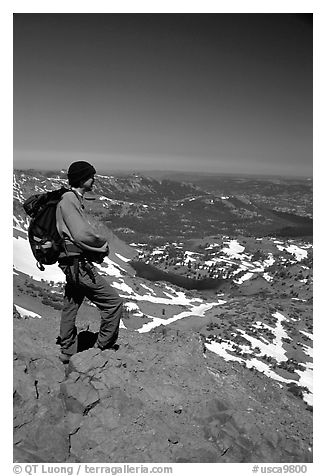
[{"x": 43, "y": 236}]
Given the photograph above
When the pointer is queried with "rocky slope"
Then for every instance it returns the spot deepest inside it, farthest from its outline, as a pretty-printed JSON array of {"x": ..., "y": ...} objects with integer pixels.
[{"x": 159, "y": 398}]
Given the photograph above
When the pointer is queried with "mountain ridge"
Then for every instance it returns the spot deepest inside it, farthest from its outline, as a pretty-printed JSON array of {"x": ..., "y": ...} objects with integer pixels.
[{"x": 134, "y": 206}]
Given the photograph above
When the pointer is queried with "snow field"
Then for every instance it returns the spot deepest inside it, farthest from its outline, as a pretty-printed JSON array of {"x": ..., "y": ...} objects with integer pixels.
[
  {"x": 272, "y": 349},
  {"x": 25, "y": 313}
]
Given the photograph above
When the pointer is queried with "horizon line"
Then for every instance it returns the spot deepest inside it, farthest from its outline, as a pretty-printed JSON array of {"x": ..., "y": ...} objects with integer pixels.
[{"x": 160, "y": 171}]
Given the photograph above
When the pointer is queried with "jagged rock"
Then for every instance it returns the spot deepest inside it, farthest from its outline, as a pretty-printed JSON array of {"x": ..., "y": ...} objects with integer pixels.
[
  {"x": 126, "y": 404},
  {"x": 90, "y": 435},
  {"x": 24, "y": 383},
  {"x": 72, "y": 422},
  {"x": 87, "y": 360},
  {"x": 111, "y": 377},
  {"x": 51, "y": 442},
  {"x": 95, "y": 429},
  {"x": 43, "y": 433},
  {"x": 108, "y": 417},
  {"x": 24, "y": 415},
  {"x": 36, "y": 378},
  {"x": 48, "y": 376},
  {"x": 16, "y": 314},
  {"x": 156, "y": 399},
  {"x": 79, "y": 396}
]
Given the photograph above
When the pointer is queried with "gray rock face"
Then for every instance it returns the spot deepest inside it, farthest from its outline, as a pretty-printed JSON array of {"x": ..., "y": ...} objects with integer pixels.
[{"x": 156, "y": 399}]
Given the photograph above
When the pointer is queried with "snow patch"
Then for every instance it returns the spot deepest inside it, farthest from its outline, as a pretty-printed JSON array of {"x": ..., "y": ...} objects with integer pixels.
[
  {"x": 126, "y": 260},
  {"x": 310, "y": 336},
  {"x": 194, "y": 311},
  {"x": 299, "y": 253},
  {"x": 158, "y": 251},
  {"x": 234, "y": 250},
  {"x": 24, "y": 261},
  {"x": 25, "y": 313},
  {"x": 269, "y": 261},
  {"x": 102, "y": 197},
  {"x": 112, "y": 269},
  {"x": 131, "y": 306},
  {"x": 147, "y": 288},
  {"x": 243, "y": 278},
  {"x": 274, "y": 349}
]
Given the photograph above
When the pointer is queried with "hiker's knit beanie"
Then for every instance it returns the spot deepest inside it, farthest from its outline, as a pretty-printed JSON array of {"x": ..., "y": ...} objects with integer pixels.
[{"x": 79, "y": 171}]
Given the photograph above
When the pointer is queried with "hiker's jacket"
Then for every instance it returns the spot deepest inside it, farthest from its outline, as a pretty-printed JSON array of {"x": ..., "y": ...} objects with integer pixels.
[{"x": 74, "y": 227}]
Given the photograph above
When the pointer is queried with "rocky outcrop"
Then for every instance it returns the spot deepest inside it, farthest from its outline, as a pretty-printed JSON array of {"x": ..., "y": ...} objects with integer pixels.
[
  {"x": 16, "y": 314},
  {"x": 158, "y": 398}
]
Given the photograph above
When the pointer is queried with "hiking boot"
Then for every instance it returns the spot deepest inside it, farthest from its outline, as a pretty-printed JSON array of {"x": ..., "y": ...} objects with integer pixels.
[
  {"x": 97, "y": 346},
  {"x": 114, "y": 347}
]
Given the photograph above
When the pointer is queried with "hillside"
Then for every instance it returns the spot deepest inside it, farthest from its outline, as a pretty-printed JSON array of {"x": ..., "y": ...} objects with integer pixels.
[
  {"x": 143, "y": 209},
  {"x": 238, "y": 307}
]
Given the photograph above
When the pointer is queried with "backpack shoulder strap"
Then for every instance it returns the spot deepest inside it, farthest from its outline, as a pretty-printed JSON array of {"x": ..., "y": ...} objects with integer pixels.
[{"x": 80, "y": 200}]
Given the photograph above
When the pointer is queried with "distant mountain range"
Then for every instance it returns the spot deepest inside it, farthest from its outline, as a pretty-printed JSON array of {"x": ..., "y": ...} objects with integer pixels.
[{"x": 138, "y": 208}]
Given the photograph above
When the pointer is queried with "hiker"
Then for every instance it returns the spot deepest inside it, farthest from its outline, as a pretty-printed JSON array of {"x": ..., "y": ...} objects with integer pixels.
[{"x": 82, "y": 247}]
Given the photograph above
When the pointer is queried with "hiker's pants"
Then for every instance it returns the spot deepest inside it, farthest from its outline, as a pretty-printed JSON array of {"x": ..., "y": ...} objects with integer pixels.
[{"x": 90, "y": 284}]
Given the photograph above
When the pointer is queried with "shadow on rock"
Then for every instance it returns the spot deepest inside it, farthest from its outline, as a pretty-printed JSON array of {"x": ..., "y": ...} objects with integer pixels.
[{"x": 86, "y": 340}]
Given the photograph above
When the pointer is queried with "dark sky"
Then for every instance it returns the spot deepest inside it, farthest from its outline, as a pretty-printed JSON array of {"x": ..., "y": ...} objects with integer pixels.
[{"x": 228, "y": 93}]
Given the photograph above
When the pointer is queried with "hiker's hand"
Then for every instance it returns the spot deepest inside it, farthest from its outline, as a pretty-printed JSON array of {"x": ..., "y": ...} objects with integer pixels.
[
  {"x": 103, "y": 254},
  {"x": 99, "y": 257}
]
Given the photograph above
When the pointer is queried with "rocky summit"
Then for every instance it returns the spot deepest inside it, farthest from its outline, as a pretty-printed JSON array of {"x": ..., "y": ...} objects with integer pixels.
[{"x": 161, "y": 397}]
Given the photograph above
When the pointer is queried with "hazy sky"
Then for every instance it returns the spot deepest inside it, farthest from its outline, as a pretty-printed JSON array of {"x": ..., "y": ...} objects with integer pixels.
[{"x": 194, "y": 92}]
